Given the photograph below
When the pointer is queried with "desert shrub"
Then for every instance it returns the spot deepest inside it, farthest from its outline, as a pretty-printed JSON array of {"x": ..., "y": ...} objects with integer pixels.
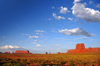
[
  {"x": 71, "y": 64},
  {"x": 7, "y": 64},
  {"x": 18, "y": 64},
  {"x": 98, "y": 61}
]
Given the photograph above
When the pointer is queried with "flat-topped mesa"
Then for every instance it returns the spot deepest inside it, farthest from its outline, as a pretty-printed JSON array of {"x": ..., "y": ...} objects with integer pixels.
[
  {"x": 22, "y": 51},
  {"x": 50, "y": 53},
  {"x": 58, "y": 52},
  {"x": 80, "y": 46},
  {"x": 7, "y": 52}
]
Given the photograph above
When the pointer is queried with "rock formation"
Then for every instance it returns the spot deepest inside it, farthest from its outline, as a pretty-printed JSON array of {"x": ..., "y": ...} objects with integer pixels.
[
  {"x": 46, "y": 53},
  {"x": 7, "y": 52},
  {"x": 58, "y": 52},
  {"x": 0, "y": 52},
  {"x": 80, "y": 48},
  {"x": 13, "y": 52},
  {"x": 49, "y": 53},
  {"x": 22, "y": 52}
]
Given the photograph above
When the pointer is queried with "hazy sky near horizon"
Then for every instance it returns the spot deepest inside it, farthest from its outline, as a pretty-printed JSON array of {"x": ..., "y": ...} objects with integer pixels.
[{"x": 49, "y": 25}]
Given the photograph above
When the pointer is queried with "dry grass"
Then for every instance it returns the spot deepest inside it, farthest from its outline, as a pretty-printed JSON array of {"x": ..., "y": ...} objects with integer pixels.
[{"x": 70, "y": 59}]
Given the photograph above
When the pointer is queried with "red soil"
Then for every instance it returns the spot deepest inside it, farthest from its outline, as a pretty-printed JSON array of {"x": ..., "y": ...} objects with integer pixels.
[{"x": 24, "y": 56}]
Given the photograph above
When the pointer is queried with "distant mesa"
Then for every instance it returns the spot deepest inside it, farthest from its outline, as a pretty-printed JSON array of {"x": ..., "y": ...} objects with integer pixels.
[
  {"x": 22, "y": 52},
  {"x": 0, "y": 52},
  {"x": 17, "y": 52},
  {"x": 58, "y": 52},
  {"x": 7, "y": 52},
  {"x": 80, "y": 48},
  {"x": 46, "y": 53},
  {"x": 13, "y": 52},
  {"x": 50, "y": 53}
]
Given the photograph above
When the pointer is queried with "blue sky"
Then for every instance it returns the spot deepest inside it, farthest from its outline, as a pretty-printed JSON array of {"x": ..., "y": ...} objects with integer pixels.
[{"x": 48, "y": 25}]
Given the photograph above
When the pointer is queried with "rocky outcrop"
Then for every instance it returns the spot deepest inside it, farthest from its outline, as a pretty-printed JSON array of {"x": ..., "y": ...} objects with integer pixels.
[
  {"x": 7, "y": 52},
  {"x": 13, "y": 52},
  {"x": 46, "y": 53},
  {"x": 0, "y": 52},
  {"x": 49, "y": 53},
  {"x": 80, "y": 48},
  {"x": 58, "y": 52},
  {"x": 22, "y": 52}
]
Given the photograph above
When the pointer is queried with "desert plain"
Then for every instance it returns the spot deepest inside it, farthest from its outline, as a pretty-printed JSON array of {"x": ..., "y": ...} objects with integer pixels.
[{"x": 80, "y": 56}]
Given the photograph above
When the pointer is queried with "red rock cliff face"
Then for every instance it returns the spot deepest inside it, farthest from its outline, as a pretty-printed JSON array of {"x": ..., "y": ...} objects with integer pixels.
[
  {"x": 80, "y": 48},
  {"x": 7, "y": 52},
  {"x": 21, "y": 51}
]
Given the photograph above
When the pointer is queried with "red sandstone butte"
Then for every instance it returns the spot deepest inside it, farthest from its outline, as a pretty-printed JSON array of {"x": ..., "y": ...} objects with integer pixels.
[
  {"x": 0, "y": 52},
  {"x": 7, "y": 52},
  {"x": 49, "y": 53},
  {"x": 22, "y": 52},
  {"x": 46, "y": 53},
  {"x": 58, "y": 52},
  {"x": 80, "y": 48},
  {"x": 13, "y": 52}
]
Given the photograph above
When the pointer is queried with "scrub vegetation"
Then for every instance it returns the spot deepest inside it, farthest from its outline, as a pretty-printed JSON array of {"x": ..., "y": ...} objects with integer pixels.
[{"x": 69, "y": 59}]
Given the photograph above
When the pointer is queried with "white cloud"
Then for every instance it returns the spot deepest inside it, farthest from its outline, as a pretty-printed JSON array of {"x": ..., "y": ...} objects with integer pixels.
[
  {"x": 70, "y": 19},
  {"x": 34, "y": 43},
  {"x": 63, "y": 10},
  {"x": 3, "y": 37},
  {"x": 16, "y": 47},
  {"x": 25, "y": 34},
  {"x": 54, "y": 31},
  {"x": 53, "y": 7},
  {"x": 75, "y": 1},
  {"x": 21, "y": 41},
  {"x": 9, "y": 47},
  {"x": 98, "y": 5},
  {"x": 58, "y": 17},
  {"x": 59, "y": 38},
  {"x": 49, "y": 19},
  {"x": 41, "y": 34},
  {"x": 79, "y": 21},
  {"x": 42, "y": 41},
  {"x": 66, "y": 39},
  {"x": 82, "y": 38},
  {"x": 88, "y": 14},
  {"x": 75, "y": 32},
  {"x": 57, "y": 45},
  {"x": 34, "y": 37},
  {"x": 93, "y": 39},
  {"x": 39, "y": 31},
  {"x": 90, "y": 2},
  {"x": 36, "y": 40},
  {"x": 38, "y": 45}
]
